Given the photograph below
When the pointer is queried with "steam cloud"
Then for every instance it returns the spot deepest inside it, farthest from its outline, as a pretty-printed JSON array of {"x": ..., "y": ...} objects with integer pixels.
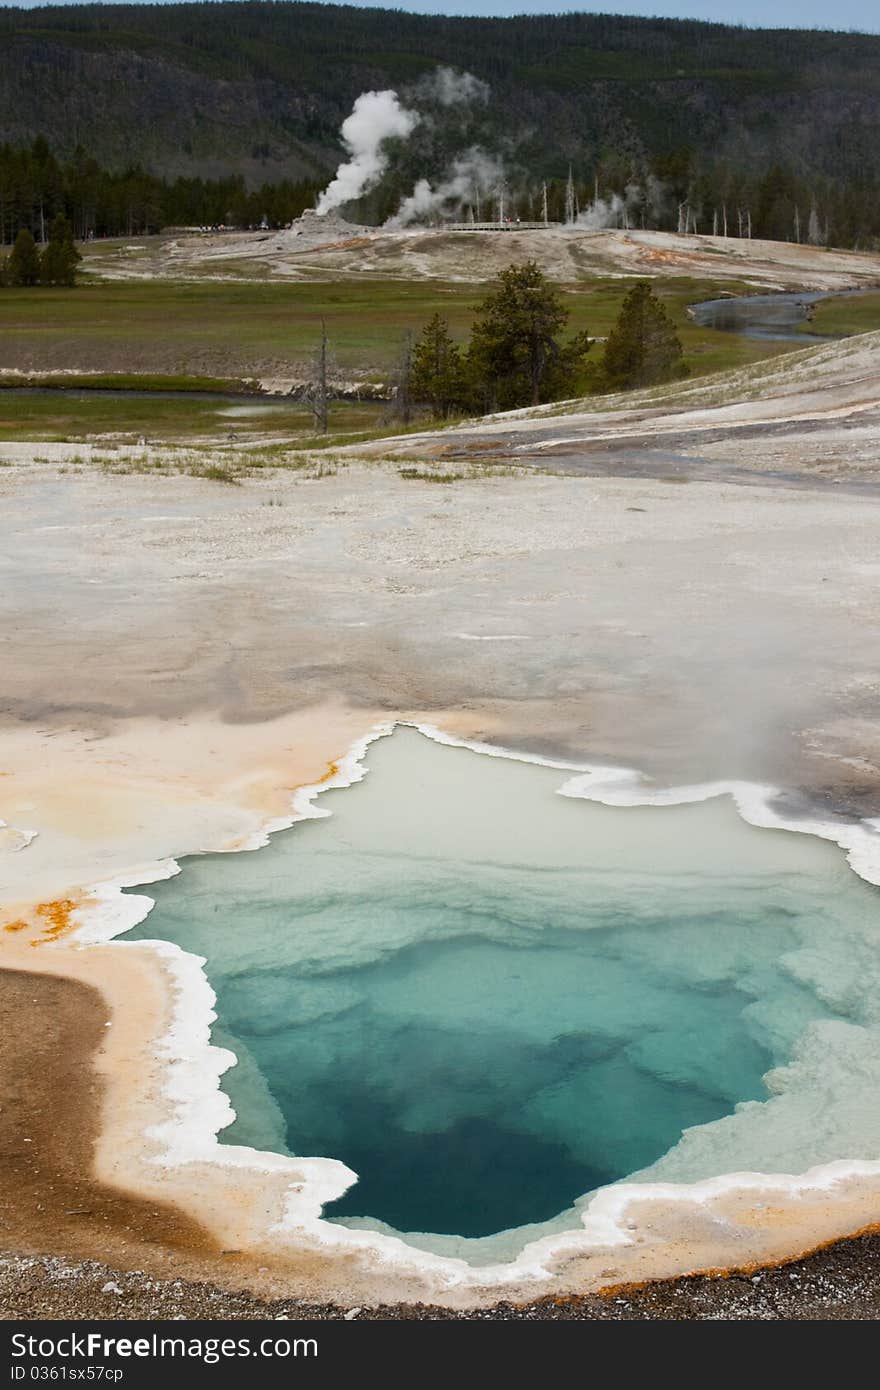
[
  {"x": 451, "y": 88},
  {"x": 623, "y": 211},
  {"x": 422, "y": 128},
  {"x": 378, "y": 117},
  {"x": 473, "y": 176},
  {"x": 375, "y": 118},
  {"x": 603, "y": 212}
]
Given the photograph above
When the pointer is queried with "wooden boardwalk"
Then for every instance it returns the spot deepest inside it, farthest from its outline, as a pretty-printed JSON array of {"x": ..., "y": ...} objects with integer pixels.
[{"x": 498, "y": 226}]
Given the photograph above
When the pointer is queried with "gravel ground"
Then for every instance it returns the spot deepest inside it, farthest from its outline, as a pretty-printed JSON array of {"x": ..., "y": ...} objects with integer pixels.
[{"x": 839, "y": 1282}]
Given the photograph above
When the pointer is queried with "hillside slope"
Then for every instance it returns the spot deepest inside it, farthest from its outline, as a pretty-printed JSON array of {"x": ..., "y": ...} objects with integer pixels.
[{"x": 262, "y": 89}]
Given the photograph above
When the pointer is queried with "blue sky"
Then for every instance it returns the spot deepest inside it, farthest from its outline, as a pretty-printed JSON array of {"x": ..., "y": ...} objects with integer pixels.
[{"x": 776, "y": 14}]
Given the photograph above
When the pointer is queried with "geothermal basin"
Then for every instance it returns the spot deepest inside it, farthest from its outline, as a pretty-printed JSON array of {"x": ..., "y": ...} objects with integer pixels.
[{"x": 490, "y": 996}]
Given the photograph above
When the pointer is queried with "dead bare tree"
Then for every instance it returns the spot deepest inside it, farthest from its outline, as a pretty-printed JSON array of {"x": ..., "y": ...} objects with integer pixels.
[
  {"x": 570, "y": 200},
  {"x": 318, "y": 386}
]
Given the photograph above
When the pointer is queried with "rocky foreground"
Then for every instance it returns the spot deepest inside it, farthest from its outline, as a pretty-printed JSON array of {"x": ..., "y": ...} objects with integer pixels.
[{"x": 840, "y": 1282}]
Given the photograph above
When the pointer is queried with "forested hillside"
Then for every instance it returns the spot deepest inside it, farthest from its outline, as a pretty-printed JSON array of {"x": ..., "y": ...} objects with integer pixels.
[{"x": 259, "y": 90}]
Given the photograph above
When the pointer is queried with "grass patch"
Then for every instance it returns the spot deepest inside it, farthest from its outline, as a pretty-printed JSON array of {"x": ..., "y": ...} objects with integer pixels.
[
  {"x": 389, "y": 428},
  {"x": 219, "y": 473},
  {"x": 122, "y": 381},
  {"x": 422, "y": 476},
  {"x": 231, "y": 467},
  {"x": 844, "y": 316},
  {"x": 71, "y": 416},
  {"x": 221, "y": 329}
]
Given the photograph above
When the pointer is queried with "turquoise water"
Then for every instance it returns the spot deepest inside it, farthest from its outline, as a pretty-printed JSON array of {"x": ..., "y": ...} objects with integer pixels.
[{"x": 488, "y": 999}]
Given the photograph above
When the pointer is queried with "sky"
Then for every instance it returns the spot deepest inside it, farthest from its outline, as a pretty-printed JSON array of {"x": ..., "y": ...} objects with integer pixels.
[{"x": 764, "y": 14}]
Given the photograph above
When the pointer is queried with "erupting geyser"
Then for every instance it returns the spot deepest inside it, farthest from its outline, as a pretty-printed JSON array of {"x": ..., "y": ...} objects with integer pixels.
[
  {"x": 375, "y": 118},
  {"x": 378, "y": 119}
]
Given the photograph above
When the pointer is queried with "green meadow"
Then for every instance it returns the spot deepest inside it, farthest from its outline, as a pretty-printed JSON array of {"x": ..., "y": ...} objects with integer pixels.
[
  {"x": 234, "y": 330},
  {"x": 845, "y": 316},
  {"x": 74, "y": 415},
  {"x": 197, "y": 342}
]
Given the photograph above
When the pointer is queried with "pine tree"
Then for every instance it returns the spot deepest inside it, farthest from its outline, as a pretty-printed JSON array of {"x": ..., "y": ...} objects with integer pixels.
[
  {"x": 23, "y": 266},
  {"x": 437, "y": 371},
  {"x": 643, "y": 347},
  {"x": 515, "y": 356},
  {"x": 60, "y": 259}
]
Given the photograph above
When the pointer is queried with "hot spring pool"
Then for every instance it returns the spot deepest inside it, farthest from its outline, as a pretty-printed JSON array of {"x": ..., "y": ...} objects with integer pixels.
[{"x": 489, "y": 1000}]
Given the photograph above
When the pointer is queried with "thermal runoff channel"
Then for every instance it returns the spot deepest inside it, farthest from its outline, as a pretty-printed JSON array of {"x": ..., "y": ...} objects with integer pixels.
[{"x": 489, "y": 1000}]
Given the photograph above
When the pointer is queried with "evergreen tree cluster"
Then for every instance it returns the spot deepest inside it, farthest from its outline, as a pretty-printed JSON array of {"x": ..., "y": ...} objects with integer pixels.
[
  {"x": 676, "y": 192},
  {"x": 516, "y": 355},
  {"x": 55, "y": 265},
  {"x": 35, "y": 186}
]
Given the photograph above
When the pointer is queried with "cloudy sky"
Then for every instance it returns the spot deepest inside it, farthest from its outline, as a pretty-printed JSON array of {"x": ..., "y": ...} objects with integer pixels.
[{"x": 777, "y": 14}]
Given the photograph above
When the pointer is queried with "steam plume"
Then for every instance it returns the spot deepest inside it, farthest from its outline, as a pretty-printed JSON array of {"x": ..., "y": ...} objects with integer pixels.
[
  {"x": 375, "y": 118},
  {"x": 604, "y": 212},
  {"x": 638, "y": 199},
  {"x": 450, "y": 88},
  {"x": 472, "y": 177},
  {"x": 379, "y": 117}
]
